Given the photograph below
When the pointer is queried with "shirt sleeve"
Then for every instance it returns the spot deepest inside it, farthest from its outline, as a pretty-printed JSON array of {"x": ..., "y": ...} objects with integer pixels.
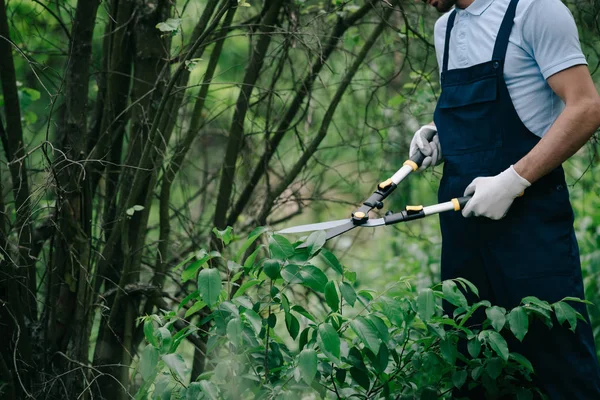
[{"x": 550, "y": 37}]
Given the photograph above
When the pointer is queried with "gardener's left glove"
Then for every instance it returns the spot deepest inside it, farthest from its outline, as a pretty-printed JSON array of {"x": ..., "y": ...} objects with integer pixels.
[{"x": 493, "y": 196}]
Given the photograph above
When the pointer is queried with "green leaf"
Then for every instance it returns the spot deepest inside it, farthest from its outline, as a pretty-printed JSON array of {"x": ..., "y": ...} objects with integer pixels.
[
  {"x": 472, "y": 287},
  {"x": 162, "y": 387},
  {"x": 448, "y": 350},
  {"x": 436, "y": 330},
  {"x": 303, "y": 341},
  {"x": 329, "y": 342},
  {"x": 148, "y": 362},
  {"x": 180, "y": 335},
  {"x": 459, "y": 378},
  {"x": 497, "y": 316},
  {"x": 493, "y": 367},
  {"x": 523, "y": 361},
  {"x": 194, "y": 391},
  {"x": 210, "y": 390},
  {"x": 348, "y": 293},
  {"x": 383, "y": 358},
  {"x": 292, "y": 325},
  {"x": 170, "y": 25},
  {"x": 396, "y": 101},
  {"x": 199, "y": 305},
  {"x": 498, "y": 344},
  {"x": 350, "y": 276},
  {"x": 519, "y": 322},
  {"x": 429, "y": 393},
  {"x": 192, "y": 269},
  {"x": 30, "y": 117},
  {"x": 164, "y": 339},
  {"x": 367, "y": 332},
  {"x": 234, "y": 331},
  {"x": 280, "y": 248},
  {"x": 149, "y": 332},
  {"x": 291, "y": 274},
  {"x": 577, "y": 300},
  {"x": 186, "y": 260},
  {"x": 300, "y": 310},
  {"x": 332, "y": 261},
  {"x": 187, "y": 299},
  {"x": 535, "y": 301},
  {"x": 453, "y": 295},
  {"x": 255, "y": 234},
  {"x": 132, "y": 210},
  {"x": 340, "y": 375},
  {"x": 392, "y": 309},
  {"x": 476, "y": 372},
  {"x": 426, "y": 304},
  {"x": 313, "y": 278},
  {"x": 249, "y": 262},
  {"x": 565, "y": 312},
  {"x": 34, "y": 95},
  {"x": 524, "y": 394},
  {"x": 381, "y": 327},
  {"x": 307, "y": 363},
  {"x": 245, "y": 286},
  {"x": 254, "y": 319},
  {"x": 225, "y": 235},
  {"x": 361, "y": 377},
  {"x": 272, "y": 320},
  {"x": 474, "y": 347},
  {"x": 209, "y": 285},
  {"x": 315, "y": 241},
  {"x": 176, "y": 364},
  {"x": 331, "y": 296},
  {"x": 272, "y": 268}
]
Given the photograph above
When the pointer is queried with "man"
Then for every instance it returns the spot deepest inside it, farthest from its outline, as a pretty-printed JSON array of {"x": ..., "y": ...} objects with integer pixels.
[{"x": 517, "y": 100}]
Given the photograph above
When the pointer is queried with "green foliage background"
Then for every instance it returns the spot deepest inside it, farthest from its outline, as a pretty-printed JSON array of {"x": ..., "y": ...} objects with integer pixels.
[{"x": 391, "y": 93}]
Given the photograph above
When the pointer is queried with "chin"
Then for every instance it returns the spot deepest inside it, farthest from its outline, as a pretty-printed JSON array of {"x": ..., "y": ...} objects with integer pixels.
[{"x": 444, "y": 6}]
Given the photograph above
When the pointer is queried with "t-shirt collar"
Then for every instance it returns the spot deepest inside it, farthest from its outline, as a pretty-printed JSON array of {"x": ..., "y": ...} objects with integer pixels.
[{"x": 478, "y": 7}]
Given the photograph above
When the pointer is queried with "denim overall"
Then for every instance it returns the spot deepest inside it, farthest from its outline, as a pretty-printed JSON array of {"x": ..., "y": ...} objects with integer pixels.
[{"x": 530, "y": 252}]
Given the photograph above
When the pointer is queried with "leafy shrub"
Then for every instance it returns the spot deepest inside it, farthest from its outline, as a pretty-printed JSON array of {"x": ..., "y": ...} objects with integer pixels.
[{"x": 280, "y": 327}]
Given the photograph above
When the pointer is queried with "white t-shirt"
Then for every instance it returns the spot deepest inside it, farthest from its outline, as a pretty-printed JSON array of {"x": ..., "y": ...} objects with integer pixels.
[{"x": 543, "y": 41}]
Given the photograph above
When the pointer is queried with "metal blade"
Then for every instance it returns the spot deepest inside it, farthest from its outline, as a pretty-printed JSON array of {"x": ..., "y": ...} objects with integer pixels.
[
  {"x": 349, "y": 225},
  {"x": 315, "y": 227},
  {"x": 335, "y": 231}
]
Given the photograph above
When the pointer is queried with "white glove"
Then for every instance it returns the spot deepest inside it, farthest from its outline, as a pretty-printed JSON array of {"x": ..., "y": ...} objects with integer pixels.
[
  {"x": 427, "y": 142},
  {"x": 495, "y": 194}
]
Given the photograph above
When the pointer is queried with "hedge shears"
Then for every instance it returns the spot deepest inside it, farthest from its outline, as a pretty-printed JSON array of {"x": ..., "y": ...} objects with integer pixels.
[{"x": 360, "y": 217}]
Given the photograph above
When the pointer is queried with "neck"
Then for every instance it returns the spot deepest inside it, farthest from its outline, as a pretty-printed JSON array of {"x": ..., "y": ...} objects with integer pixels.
[{"x": 464, "y": 3}]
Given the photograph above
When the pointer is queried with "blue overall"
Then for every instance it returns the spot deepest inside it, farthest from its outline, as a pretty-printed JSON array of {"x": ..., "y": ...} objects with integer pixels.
[{"x": 533, "y": 250}]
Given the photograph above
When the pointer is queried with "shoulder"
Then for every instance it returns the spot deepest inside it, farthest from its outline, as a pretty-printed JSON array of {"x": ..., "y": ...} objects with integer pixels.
[
  {"x": 545, "y": 11},
  {"x": 440, "y": 25},
  {"x": 439, "y": 31}
]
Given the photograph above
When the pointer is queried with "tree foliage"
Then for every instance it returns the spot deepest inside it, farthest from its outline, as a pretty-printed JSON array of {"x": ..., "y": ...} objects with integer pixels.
[
  {"x": 262, "y": 342},
  {"x": 131, "y": 128}
]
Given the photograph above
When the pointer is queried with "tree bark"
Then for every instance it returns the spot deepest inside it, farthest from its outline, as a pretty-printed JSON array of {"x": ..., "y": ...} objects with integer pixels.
[
  {"x": 14, "y": 148},
  {"x": 236, "y": 132},
  {"x": 70, "y": 296}
]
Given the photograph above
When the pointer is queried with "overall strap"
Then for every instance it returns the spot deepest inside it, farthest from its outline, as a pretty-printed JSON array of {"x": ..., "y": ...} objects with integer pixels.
[
  {"x": 447, "y": 43},
  {"x": 504, "y": 33}
]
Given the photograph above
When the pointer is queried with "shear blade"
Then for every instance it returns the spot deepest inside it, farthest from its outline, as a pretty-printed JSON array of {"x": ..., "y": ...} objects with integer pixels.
[
  {"x": 321, "y": 226},
  {"x": 349, "y": 225}
]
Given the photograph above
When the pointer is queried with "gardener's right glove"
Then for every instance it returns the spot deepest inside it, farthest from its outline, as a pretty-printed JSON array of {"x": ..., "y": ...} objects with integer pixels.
[{"x": 427, "y": 142}]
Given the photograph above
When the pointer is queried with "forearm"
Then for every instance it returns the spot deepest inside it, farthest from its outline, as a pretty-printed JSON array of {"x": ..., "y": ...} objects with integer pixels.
[{"x": 571, "y": 130}]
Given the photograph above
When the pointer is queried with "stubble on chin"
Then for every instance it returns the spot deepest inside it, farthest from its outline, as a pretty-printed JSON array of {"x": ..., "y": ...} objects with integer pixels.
[{"x": 444, "y": 6}]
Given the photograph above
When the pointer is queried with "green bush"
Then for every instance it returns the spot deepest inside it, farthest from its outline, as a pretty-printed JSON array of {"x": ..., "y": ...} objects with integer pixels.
[{"x": 280, "y": 328}]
